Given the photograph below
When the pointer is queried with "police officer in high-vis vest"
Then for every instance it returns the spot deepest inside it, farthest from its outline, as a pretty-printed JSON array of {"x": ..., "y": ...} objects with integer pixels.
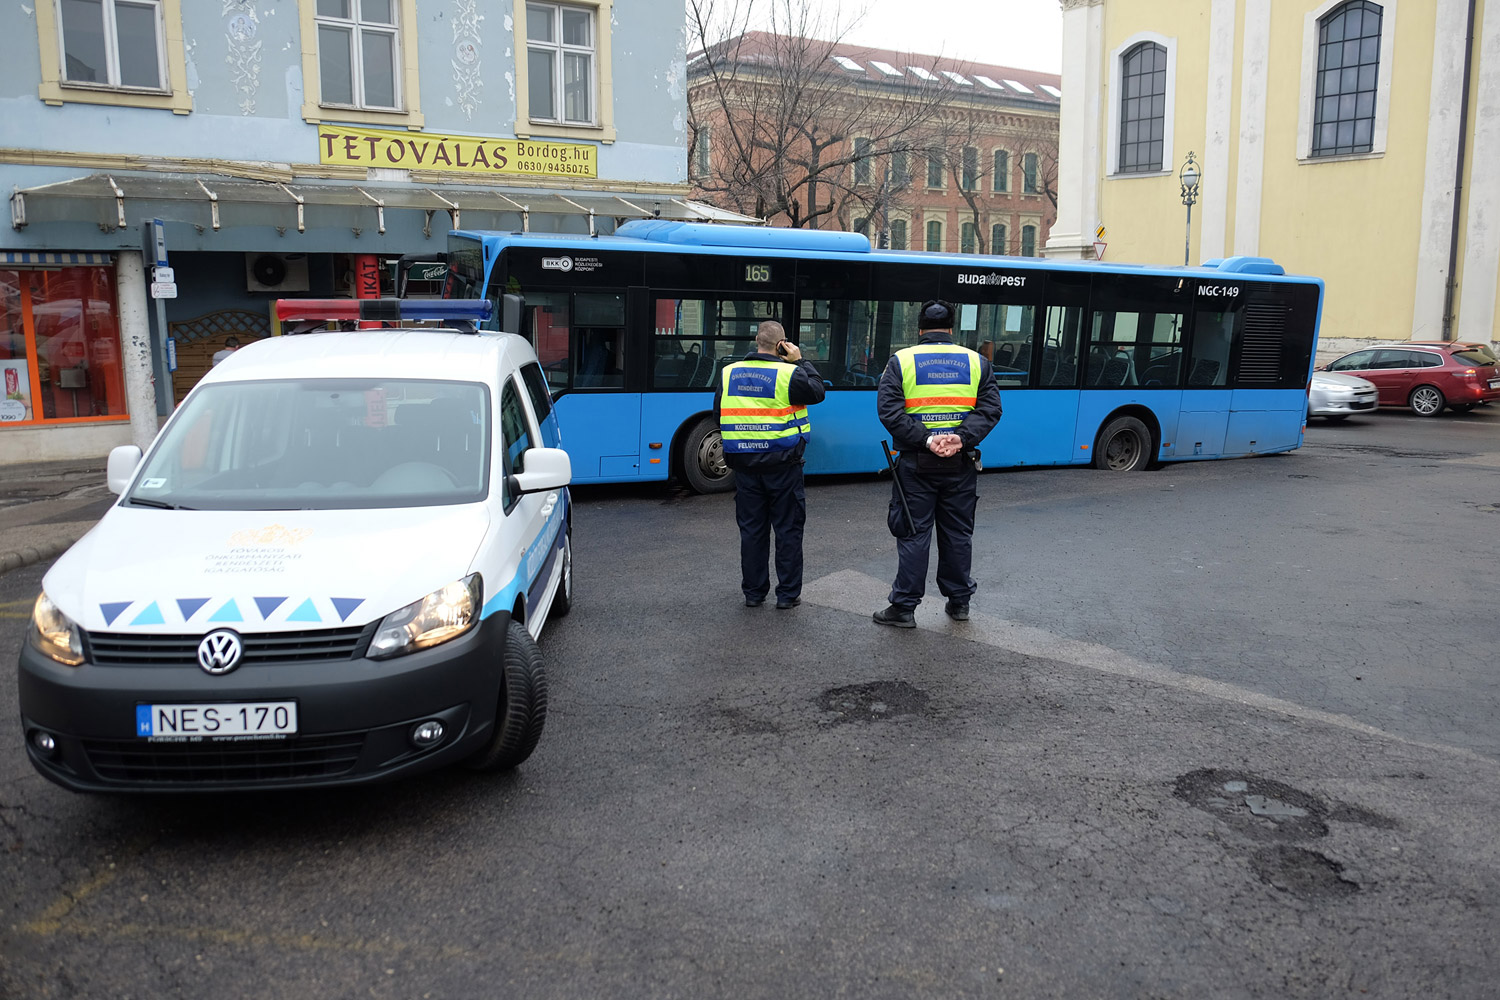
[
  {"x": 938, "y": 401},
  {"x": 761, "y": 403}
]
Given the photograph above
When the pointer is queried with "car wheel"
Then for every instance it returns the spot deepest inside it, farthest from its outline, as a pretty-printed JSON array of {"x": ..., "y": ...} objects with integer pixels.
[
  {"x": 562, "y": 601},
  {"x": 1426, "y": 401},
  {"x": 523, "y": 704},
  {"x": 1123, "y": 446},
  {"x": 703, "y": 464},
  {"x": 1460, "y": 407}
]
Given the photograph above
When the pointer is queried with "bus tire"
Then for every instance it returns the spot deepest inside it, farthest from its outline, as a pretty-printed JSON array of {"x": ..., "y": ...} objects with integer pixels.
[
  {"x": 522, "y": 710},
  {"x": 1426, "y": 401},
  {"x": 702, "y": 459},
  {"x": 1124, "y": 445}
]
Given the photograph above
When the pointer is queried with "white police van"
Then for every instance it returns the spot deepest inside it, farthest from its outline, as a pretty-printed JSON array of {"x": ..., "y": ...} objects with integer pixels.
[{"x": 331, "y": 567}]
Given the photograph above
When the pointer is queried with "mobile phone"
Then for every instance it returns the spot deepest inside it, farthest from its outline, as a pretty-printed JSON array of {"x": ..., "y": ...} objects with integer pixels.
[{"x": 781, "y": 348}]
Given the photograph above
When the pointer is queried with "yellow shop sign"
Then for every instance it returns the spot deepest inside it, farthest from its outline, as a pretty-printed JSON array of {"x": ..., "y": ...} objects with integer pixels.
[{"x": 364, "y": 147}]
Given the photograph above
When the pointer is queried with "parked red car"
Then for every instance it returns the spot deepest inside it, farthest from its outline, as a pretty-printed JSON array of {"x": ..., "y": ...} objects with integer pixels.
[{"x": 1426, "y": 378}]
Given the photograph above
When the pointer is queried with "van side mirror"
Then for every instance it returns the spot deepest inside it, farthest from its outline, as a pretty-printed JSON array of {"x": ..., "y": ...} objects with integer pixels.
[
  {"x": 121, "y": 466},
  {"x": 546, "y": 469},
  {"x": 510, "y": 313}
]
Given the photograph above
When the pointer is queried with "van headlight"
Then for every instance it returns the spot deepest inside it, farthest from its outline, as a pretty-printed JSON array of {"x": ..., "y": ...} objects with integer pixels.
[
  {"x": 444, "y": 614},
  {"x": 54, "y": 634}
]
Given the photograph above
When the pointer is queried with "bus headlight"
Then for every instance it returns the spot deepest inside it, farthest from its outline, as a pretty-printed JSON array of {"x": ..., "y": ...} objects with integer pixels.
[
  {"x": 442, "y": 615},
  {"x": 54, "y": 634}
]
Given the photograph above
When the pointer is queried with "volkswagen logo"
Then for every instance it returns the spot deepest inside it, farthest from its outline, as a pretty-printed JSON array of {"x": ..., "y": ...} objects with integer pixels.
[{"x": 219, "y": 652}]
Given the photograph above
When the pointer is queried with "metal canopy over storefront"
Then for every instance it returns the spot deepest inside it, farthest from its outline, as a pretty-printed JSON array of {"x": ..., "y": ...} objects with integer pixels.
[{"x": 213, "y": 202}]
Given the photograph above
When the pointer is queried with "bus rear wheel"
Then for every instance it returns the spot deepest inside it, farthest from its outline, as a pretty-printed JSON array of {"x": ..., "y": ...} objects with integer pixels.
[
  {"x": 702, "y": 458},
  {"x": 1123, "y": 446}
]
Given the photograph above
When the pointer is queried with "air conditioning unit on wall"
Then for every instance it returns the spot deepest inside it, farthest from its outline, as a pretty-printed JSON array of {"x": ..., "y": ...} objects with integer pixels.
[{"x": 276, "y": 272}]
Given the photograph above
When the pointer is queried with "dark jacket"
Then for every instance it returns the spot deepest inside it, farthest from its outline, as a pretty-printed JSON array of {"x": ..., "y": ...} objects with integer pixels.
[
  {"x": 910, "y": 434},
  {"x": 805, "y": 389}
]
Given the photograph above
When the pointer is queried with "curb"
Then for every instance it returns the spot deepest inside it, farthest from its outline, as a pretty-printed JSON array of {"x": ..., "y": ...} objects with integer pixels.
[{"x": 36, "y": 553}]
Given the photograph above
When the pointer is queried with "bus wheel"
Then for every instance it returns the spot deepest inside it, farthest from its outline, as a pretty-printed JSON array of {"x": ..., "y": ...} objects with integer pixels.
[
  {"x": 523, "y": 704},
  {"x": 1426, "y": 401},
  {"x": 703, "y": 464},
  {"x": 1123, "y": 446}
]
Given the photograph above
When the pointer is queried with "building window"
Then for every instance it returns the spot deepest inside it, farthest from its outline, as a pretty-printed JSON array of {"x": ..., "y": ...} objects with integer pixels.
[
  {"x": 935, "y": 236},
  {"x": 1348, "y": 71},
  {"x": 934, "y": 168},
  {"x": 563, "y": 82},
  {"x": 700, "y": 151},
  {"x": 968, "y": 238},
  {"x": 900, "y": 170},
  {"x": 970, "y": 170},
  {"x": 861, "y": 161},
  {"x": 60, "y": 358},
  {"x": 121, "y": 52},
  {"x": 359, "y": 54},
  {"x": 862, "y": 226},
  {"x": 1028, "y": 174},
  {"x": 997, "y": 238},
  {"x": 1028, "y": 241},
  {"x": 112, "y": 43},
  {"x": 898, "y": 234},
  {"x": 1143, "y": 108},
  {"x": 560, "y": 63},
  {"x": 1001, "y": 177}
]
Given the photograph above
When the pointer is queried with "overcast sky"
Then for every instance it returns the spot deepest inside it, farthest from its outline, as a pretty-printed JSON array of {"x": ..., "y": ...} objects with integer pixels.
[{"x": 1025, "y": 34}]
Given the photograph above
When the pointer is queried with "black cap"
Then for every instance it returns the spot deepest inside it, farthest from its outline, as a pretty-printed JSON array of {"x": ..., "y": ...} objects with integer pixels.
[{"x": 936, "y": 315}]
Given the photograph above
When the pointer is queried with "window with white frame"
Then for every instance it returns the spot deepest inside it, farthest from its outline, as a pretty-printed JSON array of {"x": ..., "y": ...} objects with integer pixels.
[
  {"x": 970, "y": 171},
  {"x": 1348, "y": 71},
  {"x": 1029, "y": 174},
  {"x": 359, "y": 53},
  {"x": 560, "y": 63},
  {"x": 861, "y": 161},
  {"x": 898, "y": 234},
  {"x": 934, "y": 168},
  {"x": 700, "y": 151},
  {"x": 997, "y": 238},
  {"x": 1143, "y": 107},
  {"x": 900, "y": 169},
  {"x": 112, "y": 43},
  {"x": 1028, "y": 241},
  {"x": 968, "y": 238},
  {"x": 935, "y": 235},
  {"x": 1000, "y": 179}
]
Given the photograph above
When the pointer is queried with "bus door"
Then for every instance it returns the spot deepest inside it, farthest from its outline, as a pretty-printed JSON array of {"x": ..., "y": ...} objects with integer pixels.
[
  {"x": 695, "y": 335},
  {"x": 580, "y": 341},
  {"x": 1042, "y": 422},
  {"x": 1206, "y": 396}
]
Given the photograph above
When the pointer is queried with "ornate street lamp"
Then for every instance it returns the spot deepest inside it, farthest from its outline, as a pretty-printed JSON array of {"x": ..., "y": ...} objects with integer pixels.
[{"x": 1189, "y": 175}]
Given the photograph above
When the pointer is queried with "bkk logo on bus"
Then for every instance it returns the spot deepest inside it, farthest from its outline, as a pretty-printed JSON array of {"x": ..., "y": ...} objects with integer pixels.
[{"x": 557, "y": 263}]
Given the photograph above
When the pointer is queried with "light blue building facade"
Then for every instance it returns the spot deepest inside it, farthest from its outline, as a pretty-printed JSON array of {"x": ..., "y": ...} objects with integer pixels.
[{"x": 291, "y": 148}]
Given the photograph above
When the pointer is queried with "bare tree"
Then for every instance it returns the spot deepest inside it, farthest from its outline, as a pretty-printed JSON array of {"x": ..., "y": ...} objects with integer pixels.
[{"x": 792, "y": 133}]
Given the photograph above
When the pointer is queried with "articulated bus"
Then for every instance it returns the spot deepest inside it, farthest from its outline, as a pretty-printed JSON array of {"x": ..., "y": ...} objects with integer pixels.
[{"x": 1117, "y": 366}]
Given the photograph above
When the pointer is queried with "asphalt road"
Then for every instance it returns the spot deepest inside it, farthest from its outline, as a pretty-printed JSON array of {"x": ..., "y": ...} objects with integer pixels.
[{"x": 1221, "y": 729}]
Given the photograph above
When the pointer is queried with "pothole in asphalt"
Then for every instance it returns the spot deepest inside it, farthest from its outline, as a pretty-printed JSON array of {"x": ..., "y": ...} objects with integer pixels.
[
  {"x": 873, "y": 702},
  {"x": 1302, "y": 873},
  {"x": 1256, "y": 806}
]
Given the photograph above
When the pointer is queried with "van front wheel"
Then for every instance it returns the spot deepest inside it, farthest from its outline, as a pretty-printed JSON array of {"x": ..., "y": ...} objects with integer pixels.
[{"x": 522, "y": 710}]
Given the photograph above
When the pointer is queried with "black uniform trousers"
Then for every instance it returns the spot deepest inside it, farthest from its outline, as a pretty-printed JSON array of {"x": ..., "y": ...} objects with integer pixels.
[
  {"x": 767, "y": 498},
  {"x": 941, "y": 498}
]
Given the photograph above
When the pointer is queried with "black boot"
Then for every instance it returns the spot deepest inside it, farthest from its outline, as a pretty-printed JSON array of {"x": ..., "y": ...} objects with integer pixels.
[{"x": 895, "y": 615}]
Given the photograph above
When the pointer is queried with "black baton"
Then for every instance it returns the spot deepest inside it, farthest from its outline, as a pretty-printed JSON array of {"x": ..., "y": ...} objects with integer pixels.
[{"x": 911, "y": 526}]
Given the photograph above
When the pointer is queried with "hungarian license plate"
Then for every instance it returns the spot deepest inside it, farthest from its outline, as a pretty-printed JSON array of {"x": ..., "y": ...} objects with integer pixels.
[
  {"x": 1495, "y": 383},
  {"x": 220, "y": 720}
]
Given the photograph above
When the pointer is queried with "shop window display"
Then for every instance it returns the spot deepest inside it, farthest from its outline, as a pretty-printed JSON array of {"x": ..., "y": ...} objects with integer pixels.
[{"x": 60, "y": 346}]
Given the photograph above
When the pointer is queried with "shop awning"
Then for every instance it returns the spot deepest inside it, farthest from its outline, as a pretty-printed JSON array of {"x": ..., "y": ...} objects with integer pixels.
[
  {"x": 39, "y": 259},
  {"x": 210, "y": 202}
]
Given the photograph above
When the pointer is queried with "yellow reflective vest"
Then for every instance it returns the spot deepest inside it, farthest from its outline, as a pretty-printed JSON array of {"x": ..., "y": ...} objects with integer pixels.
[
  {"x": 940, "y": 383},
  {"x": 755, "y": 408}
]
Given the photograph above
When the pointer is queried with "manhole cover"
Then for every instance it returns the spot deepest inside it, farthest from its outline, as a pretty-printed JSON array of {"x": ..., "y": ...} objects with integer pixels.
[
  {"x": 873, "y": 702},
  {"x": 1302, "y": 873}
]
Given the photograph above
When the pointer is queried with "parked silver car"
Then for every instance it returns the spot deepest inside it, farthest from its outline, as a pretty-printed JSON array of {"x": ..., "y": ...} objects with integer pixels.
[{"x": 1336, "y": 395}]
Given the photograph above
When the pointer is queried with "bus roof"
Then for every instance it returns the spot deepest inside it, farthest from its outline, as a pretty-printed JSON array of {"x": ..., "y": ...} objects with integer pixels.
[{"x": 660, "y": 235}]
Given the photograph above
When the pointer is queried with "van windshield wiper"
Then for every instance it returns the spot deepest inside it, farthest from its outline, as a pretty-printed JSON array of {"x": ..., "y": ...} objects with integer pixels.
[{"x": 158, "y": 504}]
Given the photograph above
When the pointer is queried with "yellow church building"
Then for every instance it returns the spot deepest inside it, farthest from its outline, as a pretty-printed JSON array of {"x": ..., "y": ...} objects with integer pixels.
[{"x": 1354, "y": 140}]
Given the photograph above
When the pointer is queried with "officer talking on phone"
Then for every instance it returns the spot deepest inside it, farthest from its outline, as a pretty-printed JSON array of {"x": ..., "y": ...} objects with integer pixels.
[
  {"x": 938, "y": 401},
  {"x": 761, "y": 404}
]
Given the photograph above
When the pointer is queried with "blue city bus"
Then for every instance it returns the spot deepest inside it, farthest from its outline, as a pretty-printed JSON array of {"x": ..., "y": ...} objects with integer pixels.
[{"x": 1114, "y": 365}]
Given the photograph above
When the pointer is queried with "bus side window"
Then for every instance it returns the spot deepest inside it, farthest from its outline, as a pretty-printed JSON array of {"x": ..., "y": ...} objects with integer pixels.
[
  {"x": 1208, "y": 365},
  {"x": 1060, "y": 350},
  {"x": 546, "y": 325}
]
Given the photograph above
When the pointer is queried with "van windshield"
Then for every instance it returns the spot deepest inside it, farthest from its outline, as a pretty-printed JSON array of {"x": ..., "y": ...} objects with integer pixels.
[{"x": 330, "y": 444}]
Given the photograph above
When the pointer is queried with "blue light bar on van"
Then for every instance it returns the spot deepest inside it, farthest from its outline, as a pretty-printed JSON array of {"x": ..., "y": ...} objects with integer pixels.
[{"x": 387, "y": 310}]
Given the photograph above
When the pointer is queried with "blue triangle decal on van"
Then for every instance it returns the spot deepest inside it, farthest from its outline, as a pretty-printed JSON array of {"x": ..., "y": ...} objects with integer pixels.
[
  {"x": 189, "y": 606},
  {"x": 111, "y": 610},
  {"x": 150, "y": 615},
  {"x": 345, "y": 606},
  {"x": 305, "y": 612},
  {"x": 268, "y": 605},
  {"x": 230, "y": 612}
]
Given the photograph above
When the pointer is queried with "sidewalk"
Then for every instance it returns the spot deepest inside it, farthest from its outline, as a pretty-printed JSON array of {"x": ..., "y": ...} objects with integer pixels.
[{"x": 47, "y": 506}]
